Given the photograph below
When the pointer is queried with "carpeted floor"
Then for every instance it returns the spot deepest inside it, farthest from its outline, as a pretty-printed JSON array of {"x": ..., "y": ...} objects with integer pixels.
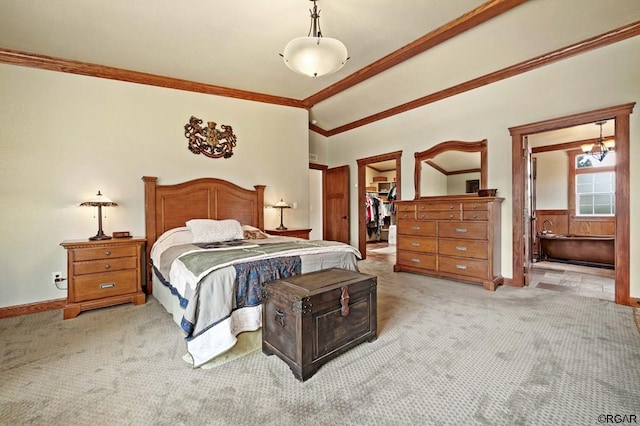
[{"x": 447, "y": 353}]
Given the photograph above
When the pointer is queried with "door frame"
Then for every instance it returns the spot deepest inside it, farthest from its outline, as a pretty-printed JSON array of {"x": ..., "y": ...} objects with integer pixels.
[
  {"x": 620, "y": 114},
  {"x": 362, "y": 191}
]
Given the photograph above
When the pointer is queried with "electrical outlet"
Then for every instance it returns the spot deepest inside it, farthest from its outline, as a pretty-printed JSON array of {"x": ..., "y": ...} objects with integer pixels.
[{"x": 55, "y": 276}]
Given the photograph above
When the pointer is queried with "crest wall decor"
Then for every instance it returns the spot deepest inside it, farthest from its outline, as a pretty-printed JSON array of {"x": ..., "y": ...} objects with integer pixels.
[{"x": 208, "y": 140}]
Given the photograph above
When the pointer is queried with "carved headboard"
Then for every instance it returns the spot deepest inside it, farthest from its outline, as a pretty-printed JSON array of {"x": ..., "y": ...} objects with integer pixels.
[{"x": 171, "y": 206}]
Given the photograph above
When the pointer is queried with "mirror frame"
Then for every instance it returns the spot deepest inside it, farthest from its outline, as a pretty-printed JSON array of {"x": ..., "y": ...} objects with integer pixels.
[{"x": 478, "y": 146}]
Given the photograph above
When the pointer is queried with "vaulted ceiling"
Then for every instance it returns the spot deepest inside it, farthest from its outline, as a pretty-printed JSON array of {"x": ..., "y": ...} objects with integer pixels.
[{"x": 403, "y": 54}]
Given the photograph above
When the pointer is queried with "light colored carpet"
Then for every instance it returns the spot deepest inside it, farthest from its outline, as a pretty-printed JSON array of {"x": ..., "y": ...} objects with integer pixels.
[
  {"x": 384, "y": 250},
  {"x": 248, "y": 342},
  {"x": 447, "y": 354}
]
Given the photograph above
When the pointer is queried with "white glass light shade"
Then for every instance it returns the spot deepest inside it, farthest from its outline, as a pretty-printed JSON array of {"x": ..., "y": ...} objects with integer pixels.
[
  {"x": 315, "y": 56},
  {"x": 586, "y": 147},
  {"x": 99, "y": 200},
  {"x": 610, "y": 144},
  {"x": 282, "y": 204}
]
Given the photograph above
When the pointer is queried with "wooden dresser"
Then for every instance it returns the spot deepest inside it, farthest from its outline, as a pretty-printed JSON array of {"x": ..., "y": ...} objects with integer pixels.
[
  {"x": 456, "y": 237},
  {"x": 103, "y": 273}
]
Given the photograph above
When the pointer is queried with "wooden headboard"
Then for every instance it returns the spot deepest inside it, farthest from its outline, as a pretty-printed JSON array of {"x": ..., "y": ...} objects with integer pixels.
[{"x": 171, "y": 206}]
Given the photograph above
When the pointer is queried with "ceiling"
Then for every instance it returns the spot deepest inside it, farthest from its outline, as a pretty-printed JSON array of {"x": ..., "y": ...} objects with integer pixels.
[{"x": 399, "y": 52}]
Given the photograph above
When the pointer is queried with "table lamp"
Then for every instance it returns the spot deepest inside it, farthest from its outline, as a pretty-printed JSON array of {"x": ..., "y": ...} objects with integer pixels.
[
  {"x": 281, "y": 205},
  {"x": 99, "y": 201}
]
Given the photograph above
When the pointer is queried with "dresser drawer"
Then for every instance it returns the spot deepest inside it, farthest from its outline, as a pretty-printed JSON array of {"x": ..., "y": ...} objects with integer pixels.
[
  {"x": 406, "y": 215},
  {"x": 406, "y": 207},
  {"x": 106, "y": 265},
  {"x": 421, "y": 244},
  {"x": 439, "y": 215},
  {"x": 414, "y": 227},
  {"x": 438, "y": 205},
  {"x": 466, "y": 267},
  {"x": 96, "y": 253},
  {"x": 97, "y": 286},
  {"x": 471, "y": 230},
  {"x": 473, "y": 206},
  {"x": 417, "y": 260},
  {"x": 476, "y": 249},
  {"x": 475, "y": 215}
]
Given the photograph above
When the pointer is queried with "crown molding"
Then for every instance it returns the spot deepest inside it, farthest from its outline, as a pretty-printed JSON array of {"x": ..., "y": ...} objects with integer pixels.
[{"x": 15, "y": 57}]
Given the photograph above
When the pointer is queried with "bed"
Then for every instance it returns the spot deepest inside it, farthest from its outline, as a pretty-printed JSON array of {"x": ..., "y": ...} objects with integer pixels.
[{"x": 212, "y": 289}]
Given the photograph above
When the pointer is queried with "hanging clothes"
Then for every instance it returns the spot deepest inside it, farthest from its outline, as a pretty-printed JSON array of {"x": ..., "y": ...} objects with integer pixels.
[
  {"x": 375, "y": 213},
  {"x": 391, "y": 197}
]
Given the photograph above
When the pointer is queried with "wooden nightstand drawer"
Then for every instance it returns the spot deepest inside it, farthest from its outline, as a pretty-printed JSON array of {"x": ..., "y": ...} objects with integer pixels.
[
  {"x": 107, "y": 265},
  {"x": 98, "y": 286},
  {"x": 80, "y": 255}
]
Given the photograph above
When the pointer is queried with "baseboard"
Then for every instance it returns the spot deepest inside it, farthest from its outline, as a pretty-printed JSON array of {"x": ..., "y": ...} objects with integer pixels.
[{"x": 32, "y": 308}]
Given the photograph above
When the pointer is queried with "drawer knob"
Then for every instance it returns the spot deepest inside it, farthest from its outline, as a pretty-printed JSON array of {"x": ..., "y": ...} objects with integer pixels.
[
  {"x": 107, "y": 253},
  {"x": 414, "y": 260},
  {"x": 107, "y": 266},
  {"x": 461, "y": 230},
  {"x": 461, "y": 266},
  {"x": 474, "y": 207},
  {"x": 475, "y": 216},
  {"x": 451, "y": 207},
  {"x": 415, "y": 244},
  {"x": 461, "y": 248},
  {"x": 450, "y": 216},
  {"x": 107, "y": 285},
  {"x": 415, "y": 228}
]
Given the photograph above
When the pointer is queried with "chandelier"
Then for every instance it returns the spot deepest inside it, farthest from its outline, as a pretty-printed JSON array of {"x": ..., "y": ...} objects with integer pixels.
[
  {"x": 600, "y": 149},
  {"x": 315, "y": 55}
]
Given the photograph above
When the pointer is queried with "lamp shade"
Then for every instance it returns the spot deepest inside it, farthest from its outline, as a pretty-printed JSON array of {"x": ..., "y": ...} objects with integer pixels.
[
  {"x": 281, "y": 204},
  {"x": 99, "y": 200},
  {"x": 315, "y": 56}
]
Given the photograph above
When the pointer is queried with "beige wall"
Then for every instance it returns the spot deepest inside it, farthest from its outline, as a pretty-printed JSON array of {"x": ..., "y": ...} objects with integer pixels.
[
  {"x": 63, "y": 137},
  {"x": 571, "y": 86},
  {"x": 552, "y": 180}
]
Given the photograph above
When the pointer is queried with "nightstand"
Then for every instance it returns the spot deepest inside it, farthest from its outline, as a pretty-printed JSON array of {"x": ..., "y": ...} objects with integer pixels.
[
  {"x": 103, "y": 273},
  {"x": 299, "y": 233}
]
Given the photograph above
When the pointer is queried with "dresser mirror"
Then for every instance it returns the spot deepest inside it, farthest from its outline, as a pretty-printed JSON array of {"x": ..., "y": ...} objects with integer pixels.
[{"x": 451, "y": 168}]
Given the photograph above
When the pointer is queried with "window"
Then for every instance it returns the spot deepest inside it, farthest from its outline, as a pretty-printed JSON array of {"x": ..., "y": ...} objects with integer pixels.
[{"x": 595, "y": 186}]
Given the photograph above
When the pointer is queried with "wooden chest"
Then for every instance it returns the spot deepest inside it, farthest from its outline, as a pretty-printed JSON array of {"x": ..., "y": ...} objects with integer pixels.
[{"x": 310, "y": 319}]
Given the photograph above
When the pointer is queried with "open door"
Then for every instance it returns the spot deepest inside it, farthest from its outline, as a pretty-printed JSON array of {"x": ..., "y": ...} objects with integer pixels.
[{"x": 336, "y": 225}]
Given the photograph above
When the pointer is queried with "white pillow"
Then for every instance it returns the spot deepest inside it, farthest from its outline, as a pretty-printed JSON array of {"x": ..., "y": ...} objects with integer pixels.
[{"x": 213, "y": 231}]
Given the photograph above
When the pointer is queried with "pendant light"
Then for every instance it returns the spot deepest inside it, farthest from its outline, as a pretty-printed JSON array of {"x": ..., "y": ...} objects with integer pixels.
[{"x": 315, "y": 55}]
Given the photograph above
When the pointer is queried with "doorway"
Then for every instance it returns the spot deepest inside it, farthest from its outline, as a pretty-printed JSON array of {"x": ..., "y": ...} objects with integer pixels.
[
  {"x": 378, "y": 178},
  {"x": 522, "y": 215},
  {"x": 563, "y": 185}
]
